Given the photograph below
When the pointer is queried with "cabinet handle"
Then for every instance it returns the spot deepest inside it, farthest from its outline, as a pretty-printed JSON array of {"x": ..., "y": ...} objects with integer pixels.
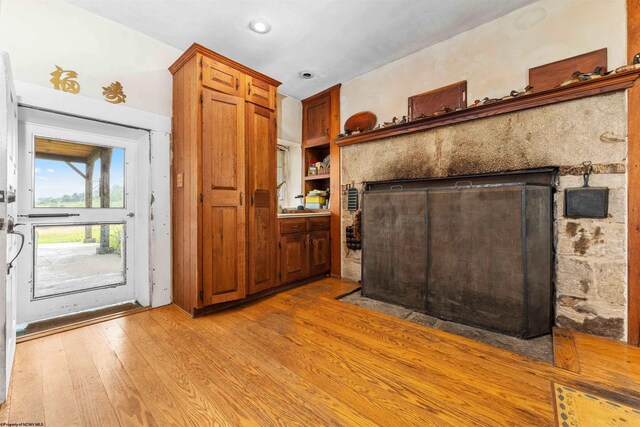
[
  {"x": 305, "y": 242},
  {"x": 326, "y": 132},
  {"x": 237, "y": 83},
  {"x": 241, "y": 198},
  {"x": 249, "y": 85},
  {"x": 252, "y": 199}
]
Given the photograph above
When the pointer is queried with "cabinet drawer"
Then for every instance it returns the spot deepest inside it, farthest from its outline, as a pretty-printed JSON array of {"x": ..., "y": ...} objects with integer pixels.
[
  {"x": 221, "y": 77},
  {"x": 319, "y": 223},
  {"x": 289, "y": 226},
  {"x": 260, "y": 93}
]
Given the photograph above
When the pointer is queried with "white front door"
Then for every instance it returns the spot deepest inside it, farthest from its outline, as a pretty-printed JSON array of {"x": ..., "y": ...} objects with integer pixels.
[
  {"x": 77, "y": 199},
  {"x": 9, "y": 243}
]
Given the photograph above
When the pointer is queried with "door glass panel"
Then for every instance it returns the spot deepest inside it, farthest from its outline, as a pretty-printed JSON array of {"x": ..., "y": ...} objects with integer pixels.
[
  {"x": 76, "y": 175},
  {"x": 78, "y": 257}
]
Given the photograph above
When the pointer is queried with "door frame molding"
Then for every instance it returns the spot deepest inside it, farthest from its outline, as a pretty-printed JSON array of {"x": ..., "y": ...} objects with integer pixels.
[{"x": 36, "y": 98}]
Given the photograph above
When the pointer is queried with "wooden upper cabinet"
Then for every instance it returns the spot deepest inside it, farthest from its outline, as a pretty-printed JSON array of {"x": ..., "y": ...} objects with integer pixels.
[
  {"x": 221, "y": 77},
  {"x": 263, "y": 237},
  {"x": 316, "y": 117},
  {"x": 260, "y": 93},
  {"x": 223, "y": 204}
]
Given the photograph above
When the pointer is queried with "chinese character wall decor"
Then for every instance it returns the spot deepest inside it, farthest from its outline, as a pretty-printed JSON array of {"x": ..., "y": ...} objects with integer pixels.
[
  {"x": 63, "y": 80},
  {"x": 114, "y": 93}
]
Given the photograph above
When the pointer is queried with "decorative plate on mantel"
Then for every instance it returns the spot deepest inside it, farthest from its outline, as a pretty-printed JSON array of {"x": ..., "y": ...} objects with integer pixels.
[{"x": 361, "y": 122}]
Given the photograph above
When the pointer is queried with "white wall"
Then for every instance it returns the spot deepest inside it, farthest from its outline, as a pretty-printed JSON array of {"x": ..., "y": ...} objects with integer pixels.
[
  {"x": 38, "y": 35},
  {"x": 290, "y": 135},
  {"x": 495, "y": 57}
]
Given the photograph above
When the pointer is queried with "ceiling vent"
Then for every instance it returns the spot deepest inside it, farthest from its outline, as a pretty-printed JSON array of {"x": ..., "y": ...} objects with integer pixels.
[{"x": 306, "y": 75}]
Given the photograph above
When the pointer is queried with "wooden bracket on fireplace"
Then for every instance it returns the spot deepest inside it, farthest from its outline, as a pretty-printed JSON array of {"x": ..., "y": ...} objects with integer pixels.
[{"x": 599, "y": 86}]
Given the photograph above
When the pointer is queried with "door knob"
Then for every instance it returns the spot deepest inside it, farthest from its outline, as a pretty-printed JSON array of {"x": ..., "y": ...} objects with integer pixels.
[{"x": 131, "y": 214}]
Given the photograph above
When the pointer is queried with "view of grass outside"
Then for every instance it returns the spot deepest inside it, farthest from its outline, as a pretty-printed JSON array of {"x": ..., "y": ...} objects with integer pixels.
[
  {"x": 76, "y": 234},
  {"x": 76, "y": 200}
]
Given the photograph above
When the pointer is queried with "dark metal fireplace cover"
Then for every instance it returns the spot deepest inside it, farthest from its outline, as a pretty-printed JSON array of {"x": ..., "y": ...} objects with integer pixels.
[
  {"x": 474, "y": 254},
  {"x": 395, "y": 266}
]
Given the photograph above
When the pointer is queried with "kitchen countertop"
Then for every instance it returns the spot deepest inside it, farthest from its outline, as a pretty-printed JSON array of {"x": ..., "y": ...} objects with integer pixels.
[{"x": 304, "y": 214}]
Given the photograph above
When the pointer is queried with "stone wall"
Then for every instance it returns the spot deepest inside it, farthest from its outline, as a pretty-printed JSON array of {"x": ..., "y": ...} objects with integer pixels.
[{"x": 591, "y": 260}]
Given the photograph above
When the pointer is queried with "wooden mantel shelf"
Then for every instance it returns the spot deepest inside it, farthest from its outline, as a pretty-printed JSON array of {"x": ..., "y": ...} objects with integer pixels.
[{"x": 610, "y": 83}]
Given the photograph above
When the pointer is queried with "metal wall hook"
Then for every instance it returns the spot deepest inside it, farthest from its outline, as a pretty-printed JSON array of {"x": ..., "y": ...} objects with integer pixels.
[{"x": 588, "y": 168}]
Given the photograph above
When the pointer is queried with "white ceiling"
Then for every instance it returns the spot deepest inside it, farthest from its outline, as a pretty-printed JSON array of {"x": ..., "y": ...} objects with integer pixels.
[{"x": 336, "y": 39}]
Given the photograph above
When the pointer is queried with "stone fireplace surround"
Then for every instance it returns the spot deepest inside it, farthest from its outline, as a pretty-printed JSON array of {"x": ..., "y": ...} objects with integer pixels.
[{"x": 590, "y": 254}]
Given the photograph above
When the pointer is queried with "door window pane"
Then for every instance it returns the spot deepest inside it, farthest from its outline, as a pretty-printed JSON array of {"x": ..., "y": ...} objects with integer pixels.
[
  {"x": 78, "y": 257},
  {"x": 75, "y": 175}
]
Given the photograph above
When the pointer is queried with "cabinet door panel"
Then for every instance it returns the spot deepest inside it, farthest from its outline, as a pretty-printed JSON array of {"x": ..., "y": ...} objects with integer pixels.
[
  {"x": 221, "y": 77},
  {"x": 261, "y": 173},
  {"x": 223, "y": 212},
  {"x": 319, "y": 252},
  {"x": 261, "y": 93},
  {"x": 316, "y": 115},
  {"x": 294, "y": 257}
]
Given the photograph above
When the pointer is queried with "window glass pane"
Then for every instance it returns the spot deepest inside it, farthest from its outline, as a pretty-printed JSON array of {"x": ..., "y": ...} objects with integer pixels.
[
  {"x": 73, "y": 175},
  {"x": 281, "y": 177},
  {"x": 76, "y": 258}
]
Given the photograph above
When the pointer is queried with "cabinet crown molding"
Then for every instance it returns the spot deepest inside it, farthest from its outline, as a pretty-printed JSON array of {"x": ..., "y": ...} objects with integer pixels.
[{"x": 199, "y": 49}]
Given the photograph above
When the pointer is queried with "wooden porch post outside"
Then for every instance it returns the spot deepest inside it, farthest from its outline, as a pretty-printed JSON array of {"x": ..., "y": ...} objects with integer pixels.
[
  {"x": 88, "y": 197},
  {"x": 105, "y": 194}
]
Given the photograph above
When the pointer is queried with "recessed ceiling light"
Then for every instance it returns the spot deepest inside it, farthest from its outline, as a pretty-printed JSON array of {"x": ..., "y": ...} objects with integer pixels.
[
  {"x": 259, "y": 26},
  {"x": 306, "y": 74}
]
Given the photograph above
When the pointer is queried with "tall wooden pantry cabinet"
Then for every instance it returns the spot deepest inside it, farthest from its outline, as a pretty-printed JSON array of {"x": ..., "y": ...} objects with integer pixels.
[{"x": 224, "y": 201}]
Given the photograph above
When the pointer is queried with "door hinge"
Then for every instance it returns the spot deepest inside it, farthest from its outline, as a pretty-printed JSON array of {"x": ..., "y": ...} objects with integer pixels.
[
  {"x": 279, "y": 245},
  {"x": 201, "y": 295},
  {"x": 200, "y": 75},
  {"x": 201, "y": 61},
  {"x": 201, "y": 100},
  {"x": 201, "y": 198}
]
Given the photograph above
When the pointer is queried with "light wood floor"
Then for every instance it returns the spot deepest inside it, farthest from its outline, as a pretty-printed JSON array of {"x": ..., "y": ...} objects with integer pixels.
[{"x": 298, "y": 358}]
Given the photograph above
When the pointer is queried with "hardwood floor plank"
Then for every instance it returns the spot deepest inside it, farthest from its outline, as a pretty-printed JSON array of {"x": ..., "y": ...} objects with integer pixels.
[
  {"x": 60, "y": 405},
  {"x": 163, "y": 403},
  {"x": 27, "y": 395},
  {"x": 565, "y": 354},
  {"x": 129, "y": 407},
  {"x": 93, "y": 402}
]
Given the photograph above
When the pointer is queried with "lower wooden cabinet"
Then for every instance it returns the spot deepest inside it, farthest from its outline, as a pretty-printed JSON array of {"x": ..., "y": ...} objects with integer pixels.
[
  {"x": 305, "y": 248},
  {"x": 294, "y": 257},
  {"x": 319, "y": 252}
]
